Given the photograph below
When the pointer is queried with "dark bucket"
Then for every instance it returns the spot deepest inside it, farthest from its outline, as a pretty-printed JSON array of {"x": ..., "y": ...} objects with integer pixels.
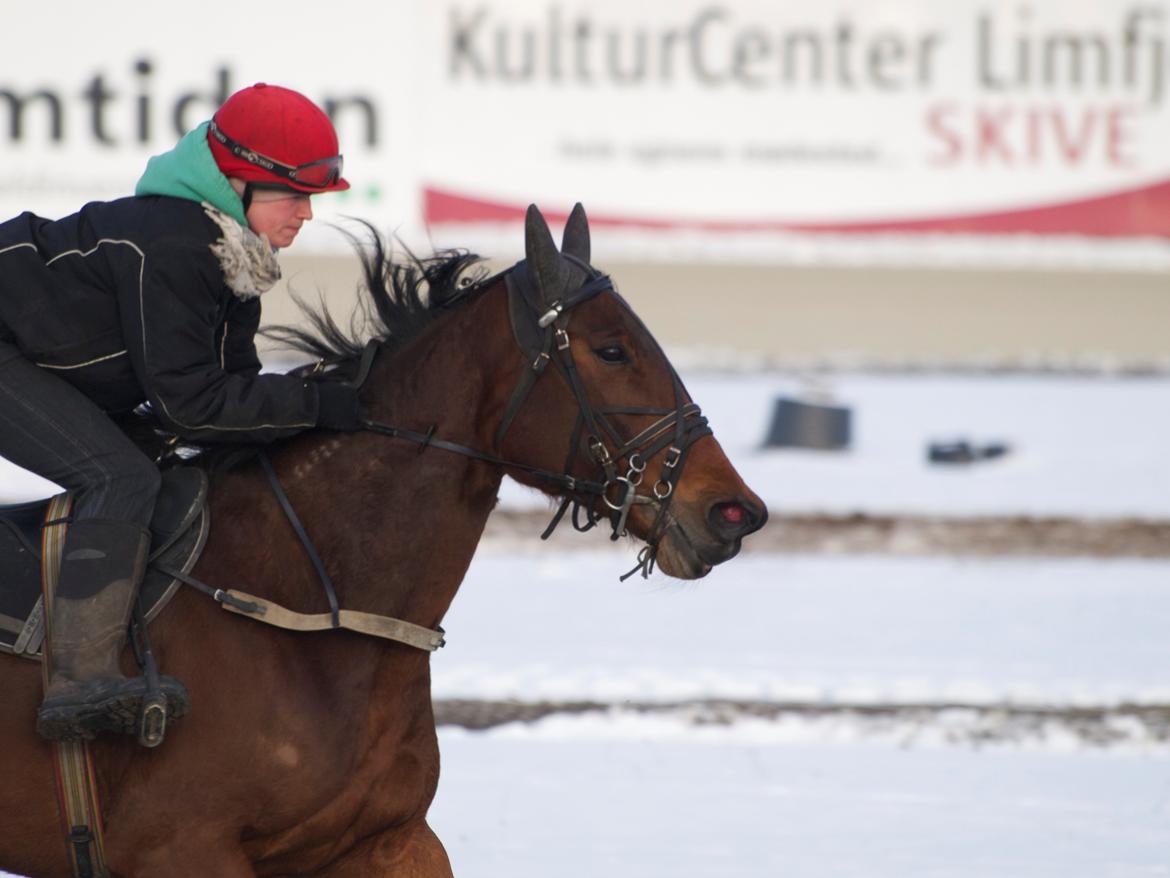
[{"x": 797, "y": 424}]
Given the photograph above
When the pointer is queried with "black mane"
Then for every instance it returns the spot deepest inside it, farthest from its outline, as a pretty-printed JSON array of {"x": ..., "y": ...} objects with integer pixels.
[{"x": 399, "y": 298}]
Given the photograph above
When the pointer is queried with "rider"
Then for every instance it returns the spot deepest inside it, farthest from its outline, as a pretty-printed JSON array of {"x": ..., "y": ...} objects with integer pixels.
[{"x": 152, "y": 298}]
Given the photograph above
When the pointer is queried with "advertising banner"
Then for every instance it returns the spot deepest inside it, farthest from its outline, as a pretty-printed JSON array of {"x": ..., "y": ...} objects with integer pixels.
[
  {"x": 837, "y": 117},
  {"x": 719, "y": 120}
]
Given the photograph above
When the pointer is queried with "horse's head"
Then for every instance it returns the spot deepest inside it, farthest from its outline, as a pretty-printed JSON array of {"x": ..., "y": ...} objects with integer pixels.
[{"x": 633, "y": 446}]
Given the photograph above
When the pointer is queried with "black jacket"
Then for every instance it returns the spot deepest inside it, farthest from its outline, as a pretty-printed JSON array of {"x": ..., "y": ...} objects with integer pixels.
[{"x": 126, "y": 302}]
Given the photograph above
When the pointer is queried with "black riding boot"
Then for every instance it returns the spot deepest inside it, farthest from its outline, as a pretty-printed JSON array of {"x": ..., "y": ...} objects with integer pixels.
[{"x": 102, "y": 567}]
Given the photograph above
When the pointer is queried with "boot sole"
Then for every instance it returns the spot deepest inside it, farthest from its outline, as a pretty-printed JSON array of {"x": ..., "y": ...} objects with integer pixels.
[{"x": 118, "y": 712}]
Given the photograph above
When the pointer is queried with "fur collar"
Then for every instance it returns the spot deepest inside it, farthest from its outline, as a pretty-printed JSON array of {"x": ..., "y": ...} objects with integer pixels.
[{"x": 247, "y": 259}]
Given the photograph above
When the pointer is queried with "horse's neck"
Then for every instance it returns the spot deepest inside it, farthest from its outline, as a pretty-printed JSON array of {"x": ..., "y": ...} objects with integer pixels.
[{"x": 397, "y": 525}]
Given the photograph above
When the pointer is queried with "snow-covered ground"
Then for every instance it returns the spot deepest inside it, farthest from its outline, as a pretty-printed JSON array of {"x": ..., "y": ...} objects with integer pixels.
[
  {"x": 676, "y": 807},
  {"x": 623, "y": 793},
  {"x": 1080, "y": 446},
  {"x": 849, "y": 630}
]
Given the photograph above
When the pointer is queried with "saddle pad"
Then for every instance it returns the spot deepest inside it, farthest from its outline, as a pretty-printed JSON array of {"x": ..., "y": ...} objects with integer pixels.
[{"x": 178, "y": 532}]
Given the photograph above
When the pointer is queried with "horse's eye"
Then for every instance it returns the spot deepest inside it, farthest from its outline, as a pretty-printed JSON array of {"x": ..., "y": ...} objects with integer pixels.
[{"x": 612, "y": 354}]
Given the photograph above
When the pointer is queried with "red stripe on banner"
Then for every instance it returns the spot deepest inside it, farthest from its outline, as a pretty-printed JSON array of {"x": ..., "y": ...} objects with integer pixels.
[{"x": 1137, "y": 212}]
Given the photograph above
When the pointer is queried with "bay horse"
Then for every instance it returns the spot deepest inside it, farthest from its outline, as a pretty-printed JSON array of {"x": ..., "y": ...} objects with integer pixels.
[{"x": 316, "y": 753}]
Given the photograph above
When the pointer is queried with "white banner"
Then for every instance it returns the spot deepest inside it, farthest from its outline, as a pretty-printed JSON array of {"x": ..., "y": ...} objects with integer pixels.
[
  {"x": 717, "y": 120},
  {"x": 834, "y": 116}
]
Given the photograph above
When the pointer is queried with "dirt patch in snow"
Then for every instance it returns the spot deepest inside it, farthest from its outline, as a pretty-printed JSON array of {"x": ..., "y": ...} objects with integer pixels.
[
  {"x": 1146, "y": 725},
  {"x": 902, "y": 535}
]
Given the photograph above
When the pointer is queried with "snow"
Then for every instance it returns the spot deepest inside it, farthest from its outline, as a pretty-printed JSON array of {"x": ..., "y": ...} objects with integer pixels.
[
  {"x": 1080, "y": 446},
  {"x": 628, "y": 793},
  {"x": 828, "y": 630},
  {"x": 680, "y": 808}
]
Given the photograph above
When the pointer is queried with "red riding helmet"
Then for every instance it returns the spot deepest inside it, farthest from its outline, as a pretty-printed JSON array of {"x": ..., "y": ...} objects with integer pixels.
[{"x": 268, "y": 134}]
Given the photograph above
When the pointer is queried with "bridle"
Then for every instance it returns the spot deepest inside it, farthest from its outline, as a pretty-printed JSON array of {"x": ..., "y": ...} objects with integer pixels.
[{"x": 540, "y": 324}]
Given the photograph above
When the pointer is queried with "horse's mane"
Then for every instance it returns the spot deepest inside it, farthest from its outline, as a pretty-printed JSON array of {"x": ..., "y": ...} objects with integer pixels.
[{"x": 398, "y": 298}]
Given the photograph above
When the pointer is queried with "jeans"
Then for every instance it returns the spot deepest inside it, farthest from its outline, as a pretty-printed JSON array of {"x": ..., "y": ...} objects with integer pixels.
[{"x": 49, "y": 427}]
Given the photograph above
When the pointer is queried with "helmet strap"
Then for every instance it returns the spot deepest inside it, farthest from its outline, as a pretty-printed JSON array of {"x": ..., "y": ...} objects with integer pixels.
[{"x": 247, "y": 196}]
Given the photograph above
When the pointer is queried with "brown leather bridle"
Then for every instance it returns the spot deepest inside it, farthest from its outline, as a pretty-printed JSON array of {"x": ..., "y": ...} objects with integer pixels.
[{"x": 540, "y": 323}]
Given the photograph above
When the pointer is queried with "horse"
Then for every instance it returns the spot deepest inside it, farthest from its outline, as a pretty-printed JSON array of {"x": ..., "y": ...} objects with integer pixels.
[{"x": 316, "y": 753}]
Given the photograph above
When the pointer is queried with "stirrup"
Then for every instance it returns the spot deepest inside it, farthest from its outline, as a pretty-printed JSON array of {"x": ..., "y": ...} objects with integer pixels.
[
  {"x": 156, "y": 705},
  {"x": 152, "y": 720}
]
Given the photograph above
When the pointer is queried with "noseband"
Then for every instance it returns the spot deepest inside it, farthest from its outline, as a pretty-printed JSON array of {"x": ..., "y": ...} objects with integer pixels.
[{"x": 541, "y": 332}]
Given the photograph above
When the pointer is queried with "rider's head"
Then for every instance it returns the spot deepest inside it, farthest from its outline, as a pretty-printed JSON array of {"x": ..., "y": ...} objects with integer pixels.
[{"x": 278, "y": 148}]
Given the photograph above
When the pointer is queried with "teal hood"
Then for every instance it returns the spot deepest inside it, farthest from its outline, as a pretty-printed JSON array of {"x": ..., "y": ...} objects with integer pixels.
[{"x": 189, "y": 171}]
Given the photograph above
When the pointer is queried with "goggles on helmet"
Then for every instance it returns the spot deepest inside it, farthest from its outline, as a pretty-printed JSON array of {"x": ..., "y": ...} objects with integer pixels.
[{"x": 320, "y": 174}]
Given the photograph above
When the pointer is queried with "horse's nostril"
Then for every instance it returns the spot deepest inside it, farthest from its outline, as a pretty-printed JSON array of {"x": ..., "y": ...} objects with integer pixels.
[
  {"x": 734, "y": 519},
  {"x": 732, "y": 513},
  {"x": 730, "y": 518}
]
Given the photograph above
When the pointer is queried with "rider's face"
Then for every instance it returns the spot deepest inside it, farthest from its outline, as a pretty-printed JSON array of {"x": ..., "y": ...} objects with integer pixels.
[{"x": 279, "y": 215}]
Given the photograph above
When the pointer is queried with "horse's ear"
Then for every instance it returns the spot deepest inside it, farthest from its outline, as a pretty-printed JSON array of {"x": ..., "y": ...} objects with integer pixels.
[
  {"x": 575, "y": 241},
  {"x": 540, "y": 251}
]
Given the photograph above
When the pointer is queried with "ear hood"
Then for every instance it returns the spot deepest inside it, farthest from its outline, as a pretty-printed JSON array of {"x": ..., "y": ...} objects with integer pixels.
[
  {"x": 575, "y": 240},
  {"x": 551, "y": 275}
]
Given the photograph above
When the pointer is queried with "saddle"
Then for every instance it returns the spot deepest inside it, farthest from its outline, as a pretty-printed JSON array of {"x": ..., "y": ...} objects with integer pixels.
[{"x": 178, "y": 532}]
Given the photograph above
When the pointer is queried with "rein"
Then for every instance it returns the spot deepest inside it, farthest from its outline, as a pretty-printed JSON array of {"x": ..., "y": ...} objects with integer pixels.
[
  {"x": 542, "y": 334},
  {"x": 272, "y": 613}
]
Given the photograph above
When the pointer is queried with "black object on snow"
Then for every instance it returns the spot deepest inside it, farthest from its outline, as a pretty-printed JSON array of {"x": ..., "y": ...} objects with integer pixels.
[
  {"x": 798, "y": 424},
  {"x": 965, "y": 452}
]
